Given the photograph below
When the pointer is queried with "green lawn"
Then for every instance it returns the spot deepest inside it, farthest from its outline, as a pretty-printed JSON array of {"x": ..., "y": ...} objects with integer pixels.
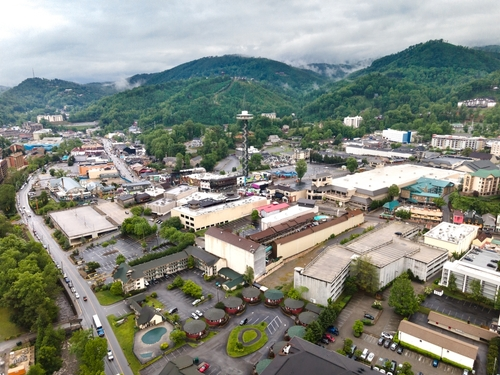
[
  {"x": 7, "y": 328},
  {"x": 153, "y": 302},
  {"x": 105, "y": 298},
  {"x": 125, "y": 336},
  {"x": 232, "y": 349}
]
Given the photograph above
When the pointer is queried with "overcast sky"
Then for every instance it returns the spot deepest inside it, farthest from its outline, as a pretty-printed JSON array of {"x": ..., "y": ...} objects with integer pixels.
[{"x": 108, "y": 40}]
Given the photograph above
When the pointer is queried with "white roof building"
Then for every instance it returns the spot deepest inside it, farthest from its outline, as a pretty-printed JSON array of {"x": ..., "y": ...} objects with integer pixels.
[{"x": 456, "y": 238}]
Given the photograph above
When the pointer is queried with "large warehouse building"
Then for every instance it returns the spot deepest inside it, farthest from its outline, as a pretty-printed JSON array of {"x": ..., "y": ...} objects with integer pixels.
[{"x": 389, "y": 251}]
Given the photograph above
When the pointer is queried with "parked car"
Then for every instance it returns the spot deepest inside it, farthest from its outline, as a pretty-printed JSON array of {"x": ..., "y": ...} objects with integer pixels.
[
  {"x": 203, "y": 367},
  {"x": 381, "y": 341},
  {"x": 394, "y": 346},
  {"x": 394, "y": 364},
  {"x": 110, "y": 355},
  {"x": 199, "y": 313},
  {"x": 333, "y": 330},
  {"x": 369, "y": 316},
  {"x": 364, "y": 354},
  {"x": 195, "y": 317},
  {"x": 387, "y": 343},
  {"x": 195, "y": 302},
  {"x": 329, "y": 337},
  {"x": 435, "y": 363},
  {"x": 370, "y": 357},
  {"x": 400, "y": 350},
  {"x": 324, "y": 340},
  {"x": 73, "y": 290},
  {"x": 77, "y": 295},
  {"x": 172, "y": 310},
  {"x": 243, "y": 322},
  {"x": 386, "y": 335}
]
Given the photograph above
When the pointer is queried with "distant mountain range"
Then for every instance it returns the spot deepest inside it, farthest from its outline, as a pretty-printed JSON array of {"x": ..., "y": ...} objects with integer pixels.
[{"x": 212, "y": 90}]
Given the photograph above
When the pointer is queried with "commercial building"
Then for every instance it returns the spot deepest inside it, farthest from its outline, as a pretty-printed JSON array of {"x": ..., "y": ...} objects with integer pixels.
[
  {"x": 236, "y": 252},
  {"x": 285, "y": 215},
  {"x": 457, "y": 142},
  {"x": 81, "y": 223},
  {"x": 15, "y": 160},
  {"x": 478, "y": 103},
  {"x": 298, "y": 356},
  {"x": 379, "y": 152},
  {"x": 443, "y": 346},
  {"x": 47, "y": 143},
  {"x": 475, "y": 265},
  {"x": 66, "y": 188},
  {"x": 389, "y": 251},
  {"x": 460, "y": 327},
  {"x": 213, "y": 182},
  {"x": 495, "y": 148},
  {"x": 39, "y": 134},
  {"x": 484, "y": 182},
  {"x": 205, "y": 210},
  {"x": 361, "y": 189},
  {"x": 353, "y": 122},
  {"x": 50, "y": 118},
  {"x": 400, "y": 136},
  {"x": 161, "y": 206},
  {"x": 426, "y": 189},
  {"x": 180, "y": 192},
  {"x": 452, "y": 237},
  {"x": 286, "y": 193}
]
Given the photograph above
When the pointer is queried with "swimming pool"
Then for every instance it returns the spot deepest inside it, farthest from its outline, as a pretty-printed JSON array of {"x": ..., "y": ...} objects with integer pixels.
[{"x": 153, "y": 336}]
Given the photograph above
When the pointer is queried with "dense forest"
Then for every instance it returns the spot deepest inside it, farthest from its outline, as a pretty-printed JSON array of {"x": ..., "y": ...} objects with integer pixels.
[{"x": 416, "y": 89}]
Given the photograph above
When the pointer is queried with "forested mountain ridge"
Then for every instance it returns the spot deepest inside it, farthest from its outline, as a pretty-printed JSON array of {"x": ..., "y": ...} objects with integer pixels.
[
  {"x": 261, "y": 69},
  {"x": 36, "y": 96},
  {"x": 209, "y": 101}
]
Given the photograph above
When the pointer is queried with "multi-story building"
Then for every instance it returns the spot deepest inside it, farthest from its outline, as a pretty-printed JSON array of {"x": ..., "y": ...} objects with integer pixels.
[
  {"x": 426, "y": 189},
  {"x": 452, "y": 237},
  {"x": 484, "y": 182},
  {"x": 3, "y": 169},
  {"x": 495, "y": 148},
  {"x": 50, "y": 118},
  {"x": 15, "y": 160},
  {"x": 458, "y": 143},
  {"x": 353, "y": 122},
  {"x": 401, "y": 136}
]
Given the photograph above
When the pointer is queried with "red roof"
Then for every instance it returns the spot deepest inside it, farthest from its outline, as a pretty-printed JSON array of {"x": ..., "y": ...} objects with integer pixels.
[{"x": 273, "y": 207}]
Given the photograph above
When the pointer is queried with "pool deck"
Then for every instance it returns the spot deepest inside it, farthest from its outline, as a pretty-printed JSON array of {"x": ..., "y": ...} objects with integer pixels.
[{"x": 146, "y": 352}]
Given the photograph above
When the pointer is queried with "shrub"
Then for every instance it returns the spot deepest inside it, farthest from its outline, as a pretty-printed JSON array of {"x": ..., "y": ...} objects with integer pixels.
[
  {"x": 154, "y": 295},
  {"x": 164, "y": 346},
  {"x": 377, "y": 305},
  {"x": 367, "y": 322}
]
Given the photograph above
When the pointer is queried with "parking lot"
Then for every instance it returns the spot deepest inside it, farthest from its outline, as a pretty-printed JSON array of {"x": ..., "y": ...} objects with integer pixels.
[{"x": 214, "y": 350}]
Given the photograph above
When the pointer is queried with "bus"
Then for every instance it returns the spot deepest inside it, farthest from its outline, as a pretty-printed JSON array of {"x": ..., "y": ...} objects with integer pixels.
[{"x": 98, "y": 326}]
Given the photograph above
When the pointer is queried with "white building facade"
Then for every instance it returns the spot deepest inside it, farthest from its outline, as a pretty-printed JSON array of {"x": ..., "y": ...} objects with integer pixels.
[
  {"x": 353, "y": 122},
  {"x": 457, "y": 143}
]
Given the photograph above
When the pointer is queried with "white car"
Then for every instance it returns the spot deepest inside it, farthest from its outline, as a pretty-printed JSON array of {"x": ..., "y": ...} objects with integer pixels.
[
  {"x": 387, "y": 336},
  {"x": 370, "y": 357},
  {"x": 199, "y": 313},
  {"x": 77, "y": 295},
  {"x": 73, "y": 290},
  {"x": 110, "y": 355},
  {"x": 195, "y": 317}
]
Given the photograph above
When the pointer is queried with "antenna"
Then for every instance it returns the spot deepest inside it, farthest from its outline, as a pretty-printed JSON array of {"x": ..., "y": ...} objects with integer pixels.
[{"x": 33, "y": 72}]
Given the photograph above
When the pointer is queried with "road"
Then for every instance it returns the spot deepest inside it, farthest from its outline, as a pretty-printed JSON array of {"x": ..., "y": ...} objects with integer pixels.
[
  {"x": 85, "y": 310},
  {"x": 121, "y": 166}
]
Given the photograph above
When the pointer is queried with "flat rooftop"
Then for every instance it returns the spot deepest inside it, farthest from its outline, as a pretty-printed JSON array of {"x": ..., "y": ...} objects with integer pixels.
[
  {"x": 453, "y": 233},
  {"x": 292, "y": 211},
  {"x": 329, "y": 264},
  {"x": 400, "y": 175},
  {"x": 220, "y": 207},
  {"x": 82, "y": 221},
  {"x": 180, "y": 189},
  {"x": 379, "y": 236}
]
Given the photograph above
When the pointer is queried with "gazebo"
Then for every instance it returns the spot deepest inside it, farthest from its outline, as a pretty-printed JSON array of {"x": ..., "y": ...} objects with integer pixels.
[
  {"x": 273, "y": 297},
  {"x": 233, "y": 305},
  {"x": 215, "y": 317},
  {"x": 294, "y": 331},
  {"x": 251, "y": 295},
  {"x": 195, "y": 329},
  {"x": 293, "y": 306},
  {"x": 306, "y": 318}
]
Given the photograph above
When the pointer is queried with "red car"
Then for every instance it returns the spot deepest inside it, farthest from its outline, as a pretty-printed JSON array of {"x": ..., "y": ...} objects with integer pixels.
[
  {"x": 329, "y": 337},
  {"x": 203, "y": 367}
]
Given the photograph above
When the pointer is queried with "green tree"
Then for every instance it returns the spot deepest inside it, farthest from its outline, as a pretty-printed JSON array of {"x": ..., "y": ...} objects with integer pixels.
[
  {"x": 120, "y": 259},
  {"x": 78, "y": 341},
  {"x": 93, "y": 266},
  {"x": 350, "y": 286},
  {"x": 466, "y": 151},
  {"x": 36, "y": 369},
  {"x": 248, "y": 276},
  {"x": 178, "y": 282},
  {"x": 92, "y": 360},
  {"x": 173, "y": 222},
  {"x": 178, "y": 336},
  {"x": 116, "y": 288},
  {"x": 365, "y": 274},
  {"x": 7, "y": 199},
  {"x": 44, "y": 198},
  {"x": 403, "y": 297},
  {"x": 52, "y": 172},
  {"x": 406, "y": 369},
  {"x": 327, "y": 316},
  {"x": 190, "y": 262},
  {"x": 452, "y": 282},
  {"x": 439, "y": 202},
  {"x": 393, "y": 191},
  {"x": 351, "y": 164},
  {"x": 476, "y": 290},
  {"x": 358, "y": 328},
  {"x": 49, "y": 358},
  {"x": 192, "y": 289},
  {"x": 179, "y": 161},
  {"x": 255, "y": 216},
  {"x": 296, "y": 293},
  {"x": 347, "y": 345},
  {"x": 301, "y": 168},
  {"x": 314, "y": 332}
]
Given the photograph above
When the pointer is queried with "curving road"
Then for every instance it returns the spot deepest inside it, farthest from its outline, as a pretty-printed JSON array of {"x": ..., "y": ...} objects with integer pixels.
[{"x": 85, "y": 310}]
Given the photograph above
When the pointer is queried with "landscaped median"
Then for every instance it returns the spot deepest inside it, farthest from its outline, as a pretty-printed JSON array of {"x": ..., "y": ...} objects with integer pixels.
[{"x": 245, "y": 340}]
